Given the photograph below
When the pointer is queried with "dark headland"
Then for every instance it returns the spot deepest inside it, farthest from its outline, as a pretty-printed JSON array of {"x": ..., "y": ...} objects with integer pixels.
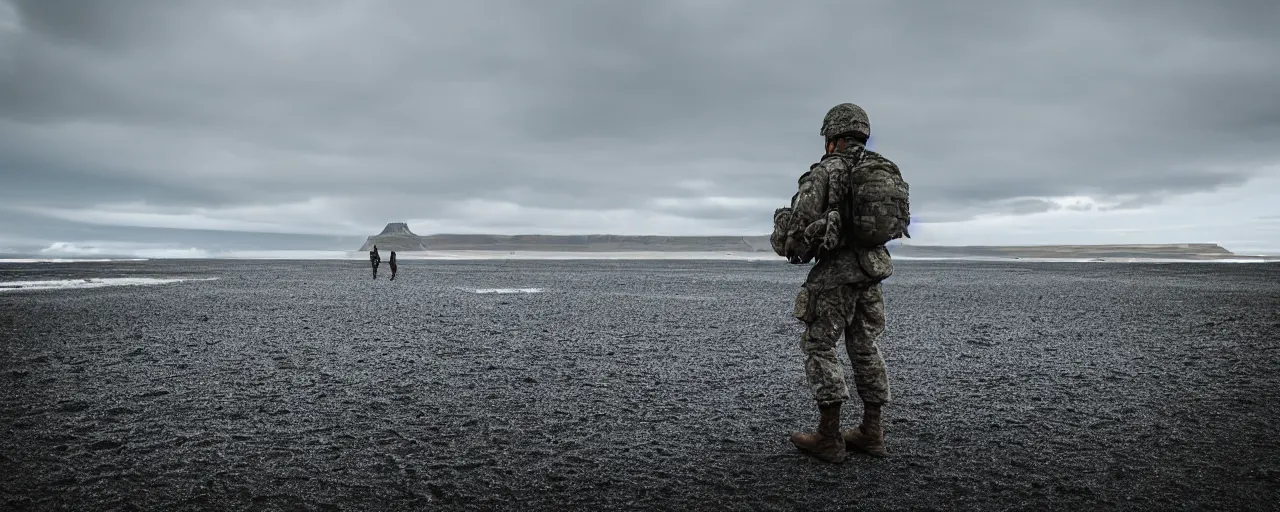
[{"x": 396, "y": 236}]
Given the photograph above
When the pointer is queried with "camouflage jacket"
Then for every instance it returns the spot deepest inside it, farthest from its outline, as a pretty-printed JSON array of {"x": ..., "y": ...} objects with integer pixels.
[{"x": 813, "y": 223}]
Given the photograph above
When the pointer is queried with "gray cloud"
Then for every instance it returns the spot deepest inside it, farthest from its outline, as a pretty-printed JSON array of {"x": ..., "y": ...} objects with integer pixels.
[{"x": 400, "y": 109}]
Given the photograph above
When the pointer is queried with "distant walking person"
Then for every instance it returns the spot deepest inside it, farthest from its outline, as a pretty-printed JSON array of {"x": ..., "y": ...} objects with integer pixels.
[
  {"x": 392, "y": 262},
  {"x": 375, "y": 259}
]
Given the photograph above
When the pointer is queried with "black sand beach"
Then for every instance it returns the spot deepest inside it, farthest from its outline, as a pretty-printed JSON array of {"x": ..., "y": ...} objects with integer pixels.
[{"x": 631, "y": 384}]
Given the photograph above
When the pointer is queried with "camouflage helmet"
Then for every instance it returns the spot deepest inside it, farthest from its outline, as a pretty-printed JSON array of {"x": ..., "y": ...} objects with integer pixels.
[{"x": 845, "y": 118}]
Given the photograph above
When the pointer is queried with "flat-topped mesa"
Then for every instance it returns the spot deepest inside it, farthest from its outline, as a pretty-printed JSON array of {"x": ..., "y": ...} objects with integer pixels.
[
  {"x": 395, "y": 237},
  {"x": 396, "y": 228}
]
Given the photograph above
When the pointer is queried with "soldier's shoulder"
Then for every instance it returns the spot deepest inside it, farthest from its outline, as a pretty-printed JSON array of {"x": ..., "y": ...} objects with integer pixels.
[
  {"x": 831, "y": 163},
  {"x": 817, "y": 171}
]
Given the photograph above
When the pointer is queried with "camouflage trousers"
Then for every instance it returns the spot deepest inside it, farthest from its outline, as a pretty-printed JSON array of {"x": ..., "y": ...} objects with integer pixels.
[{"x": 857, "y": 312}]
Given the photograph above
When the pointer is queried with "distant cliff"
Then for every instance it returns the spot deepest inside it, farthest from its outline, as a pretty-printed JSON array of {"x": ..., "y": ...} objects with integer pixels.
[
  {"x": 1170, "y": 251},
  {"x": 397, "y": 237}
]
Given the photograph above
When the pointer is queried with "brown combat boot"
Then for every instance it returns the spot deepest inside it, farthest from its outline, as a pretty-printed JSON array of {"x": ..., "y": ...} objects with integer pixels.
[
  {"x": 868, "y": 437},
  {"x": 826, "y": 444}
]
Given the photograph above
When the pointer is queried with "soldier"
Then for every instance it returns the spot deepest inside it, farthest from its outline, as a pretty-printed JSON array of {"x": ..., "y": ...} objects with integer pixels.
[
  {"x": 375, "y": 259},
  {"x": 848, "y": 206}
]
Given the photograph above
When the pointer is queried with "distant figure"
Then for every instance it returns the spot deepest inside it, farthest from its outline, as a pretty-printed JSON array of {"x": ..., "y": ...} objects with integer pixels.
[
  {"x": 374, "y": 260},
  {"x": 392, "y": 262},
  {"x": 849, "y": 205}
]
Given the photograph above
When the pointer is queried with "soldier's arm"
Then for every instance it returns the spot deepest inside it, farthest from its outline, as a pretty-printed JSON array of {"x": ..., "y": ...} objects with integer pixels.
[
  {"x": 810, "y": 203},
  {"x": 790, "y": 237}
]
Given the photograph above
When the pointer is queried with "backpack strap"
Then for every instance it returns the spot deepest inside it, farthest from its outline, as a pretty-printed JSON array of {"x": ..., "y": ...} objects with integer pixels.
[{"x": 846, "y": 203}]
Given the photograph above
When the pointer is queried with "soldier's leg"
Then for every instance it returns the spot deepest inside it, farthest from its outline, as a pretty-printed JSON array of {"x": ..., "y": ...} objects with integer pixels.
[
  {"x": 823, "y": 327},
  {"x": 870, "y": 379},
  {"x": 861, "y": 337},
  {"x": 824, "y": 314}
]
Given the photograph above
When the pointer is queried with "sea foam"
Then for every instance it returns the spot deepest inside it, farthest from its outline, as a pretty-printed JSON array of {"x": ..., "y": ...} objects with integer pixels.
[{"x": 94, "y": 282}]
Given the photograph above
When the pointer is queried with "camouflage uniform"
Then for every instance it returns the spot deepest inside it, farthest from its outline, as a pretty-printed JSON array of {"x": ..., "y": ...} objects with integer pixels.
[{"x": 842, "y": 293}]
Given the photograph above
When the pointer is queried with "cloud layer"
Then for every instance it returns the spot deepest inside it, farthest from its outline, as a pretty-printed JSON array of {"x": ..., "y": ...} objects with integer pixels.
[{"x": 662, "y": 117}]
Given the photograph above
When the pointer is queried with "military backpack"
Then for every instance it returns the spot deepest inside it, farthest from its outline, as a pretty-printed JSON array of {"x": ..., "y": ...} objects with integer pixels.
[{"x": 876, "y": 207}]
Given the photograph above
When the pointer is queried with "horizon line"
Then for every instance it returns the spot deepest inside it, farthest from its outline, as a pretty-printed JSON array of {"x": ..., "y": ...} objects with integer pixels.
[{"x": 898, "y": 241}]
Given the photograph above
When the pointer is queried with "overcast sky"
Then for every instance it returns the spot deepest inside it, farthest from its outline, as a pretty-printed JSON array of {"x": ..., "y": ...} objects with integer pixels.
[{"x": 216, "y": 121}]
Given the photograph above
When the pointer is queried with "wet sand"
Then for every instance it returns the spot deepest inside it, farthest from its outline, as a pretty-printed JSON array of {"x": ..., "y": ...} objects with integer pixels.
[{"x": 627, "y": 384}]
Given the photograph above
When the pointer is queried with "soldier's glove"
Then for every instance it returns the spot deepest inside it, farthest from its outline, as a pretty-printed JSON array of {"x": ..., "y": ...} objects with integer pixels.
[
  {"x": 797, "y": 252},
  {"x": 798, "y": 249},
  {"x": 816, "y": 234},
  {"x": 831, "y": 233}
]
